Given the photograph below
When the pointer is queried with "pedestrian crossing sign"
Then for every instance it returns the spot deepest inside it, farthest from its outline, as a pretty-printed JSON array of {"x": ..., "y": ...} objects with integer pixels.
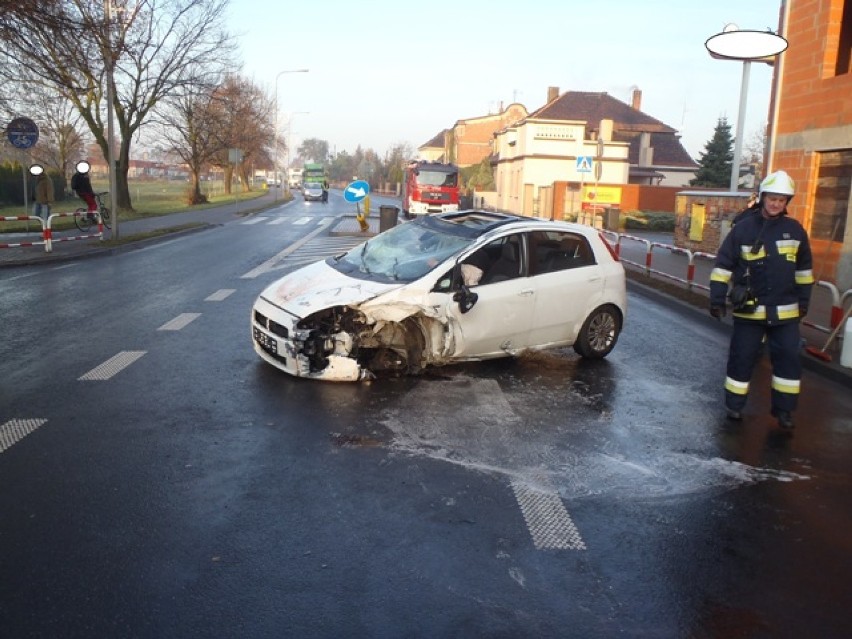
[{"x": 584, "y": 164}]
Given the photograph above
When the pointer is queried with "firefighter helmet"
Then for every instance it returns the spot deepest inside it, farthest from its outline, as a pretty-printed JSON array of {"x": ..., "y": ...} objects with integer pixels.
[{"x": 778, "y": 182}]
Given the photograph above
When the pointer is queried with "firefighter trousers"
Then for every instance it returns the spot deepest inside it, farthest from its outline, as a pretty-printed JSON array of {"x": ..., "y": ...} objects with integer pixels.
[{"x": 746, "y": 347}]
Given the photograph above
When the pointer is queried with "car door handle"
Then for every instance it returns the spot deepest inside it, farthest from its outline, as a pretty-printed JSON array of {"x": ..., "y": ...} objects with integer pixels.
[
  {"x": 526, "y": 292},
  {"x": 595, "y": 278}
]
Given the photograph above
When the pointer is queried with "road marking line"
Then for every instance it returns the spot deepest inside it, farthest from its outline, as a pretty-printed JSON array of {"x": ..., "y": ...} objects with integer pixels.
[
  {"x": 220, "y": 295},
  {"x": 15, "y": 430},
  {"x": 278, "y": 220},
  {"x": 547, "y": 519},
  {"x": 269, "y": 264},
  {"x": 179, "y": 322},
  {"x": 255, "y": 220},
  {"x": 112, "y": 366},
  {"x": 302, "y": 220}
]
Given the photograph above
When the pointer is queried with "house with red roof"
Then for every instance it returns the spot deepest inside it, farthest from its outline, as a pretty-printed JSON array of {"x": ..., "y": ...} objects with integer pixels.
[{"x": 592, "y": 141}]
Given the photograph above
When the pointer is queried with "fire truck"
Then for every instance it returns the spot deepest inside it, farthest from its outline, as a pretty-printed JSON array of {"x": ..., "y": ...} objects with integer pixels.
[{"x": 430, "y": 187}]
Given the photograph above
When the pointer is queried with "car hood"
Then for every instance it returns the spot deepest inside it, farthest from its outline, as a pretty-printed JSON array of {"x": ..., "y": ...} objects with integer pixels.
[{"x": 318, "y": 286}]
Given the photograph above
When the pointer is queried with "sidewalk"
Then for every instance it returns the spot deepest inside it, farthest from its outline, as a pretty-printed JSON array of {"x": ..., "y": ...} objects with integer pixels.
[
  {"x": 664, "y": 261},
  {"x": 128, "y": 229}
]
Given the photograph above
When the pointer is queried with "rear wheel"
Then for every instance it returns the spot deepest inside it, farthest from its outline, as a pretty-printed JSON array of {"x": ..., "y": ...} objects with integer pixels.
[
  {"x": 599, "y": 333},
  {"x": 105, "y": 216},
  {"x": 82, "y": 219}
]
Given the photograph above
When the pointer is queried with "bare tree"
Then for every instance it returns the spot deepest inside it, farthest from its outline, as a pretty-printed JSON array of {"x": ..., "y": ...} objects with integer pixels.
[
  {"x": 754, "y": 153},
  {"x": 187, "y": 128},
  {"x": 314, "y": 150},
  {"x": 149, "y": 48},
  {"x": 61, "y": 137},
  {"x": 242, "y": 113}
]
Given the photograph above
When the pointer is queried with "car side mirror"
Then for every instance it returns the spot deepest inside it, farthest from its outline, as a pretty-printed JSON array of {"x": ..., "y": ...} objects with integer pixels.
[{"x": 465, "y": 298}]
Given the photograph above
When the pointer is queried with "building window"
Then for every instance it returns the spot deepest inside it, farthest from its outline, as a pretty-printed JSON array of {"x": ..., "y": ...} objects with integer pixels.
[
  {"x": 555, "y": 132},
  {"x": 844, "y": 43},
  {"x": 831, "y": 199}
]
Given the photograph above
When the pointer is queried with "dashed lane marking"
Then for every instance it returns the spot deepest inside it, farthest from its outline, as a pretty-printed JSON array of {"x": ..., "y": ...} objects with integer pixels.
[
  {"x": 112, "y": 366},
  {"x": 254, "y": 220},
  {"x": 221, "y": 294},
  {"x": 302, "y": 220},
  {"x": 179, "y": 322},
  {"x": 548, "y": 521},
  {"x": 15, "y": 430},
  {"x": 278, "y": 220}
]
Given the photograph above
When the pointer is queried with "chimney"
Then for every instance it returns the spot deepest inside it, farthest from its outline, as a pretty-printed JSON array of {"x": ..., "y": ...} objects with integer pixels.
[
  {"x": 552, "y": 93},
  {"x": 605, "y": 130},
  {"x": 636, "y": 101}
]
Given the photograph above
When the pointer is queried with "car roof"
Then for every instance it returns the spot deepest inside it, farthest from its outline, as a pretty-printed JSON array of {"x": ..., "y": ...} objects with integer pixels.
[{"x": 473, "y": 223}]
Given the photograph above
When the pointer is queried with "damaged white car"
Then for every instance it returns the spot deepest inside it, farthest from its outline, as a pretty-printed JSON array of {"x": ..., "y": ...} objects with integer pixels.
[{"x": 462, "y": 286}]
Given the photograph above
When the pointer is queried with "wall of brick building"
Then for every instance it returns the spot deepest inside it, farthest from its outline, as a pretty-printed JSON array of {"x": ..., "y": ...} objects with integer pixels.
[
  {"x": 634, "y": 197},
  {"x": 643, "y": 197},
  {"x": 472, "y": 138},
  {"x": 814, "y": 114}
]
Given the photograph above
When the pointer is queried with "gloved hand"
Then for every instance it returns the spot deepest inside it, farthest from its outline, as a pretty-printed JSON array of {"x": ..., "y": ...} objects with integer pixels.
[{"x": 718, "y": 311}]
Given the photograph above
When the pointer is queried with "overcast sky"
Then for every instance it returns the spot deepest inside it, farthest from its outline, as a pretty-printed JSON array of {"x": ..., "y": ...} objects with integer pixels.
[{"x": 383, "y": 72}]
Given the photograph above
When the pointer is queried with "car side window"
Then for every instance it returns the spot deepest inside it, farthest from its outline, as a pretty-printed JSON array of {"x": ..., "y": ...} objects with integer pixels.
[
  {"x": 552, "y": 251},
  {"x": 506, "y": 256}
]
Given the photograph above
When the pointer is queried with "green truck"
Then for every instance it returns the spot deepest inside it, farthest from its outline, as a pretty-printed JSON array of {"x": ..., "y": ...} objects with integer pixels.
[{"x": 314, "y": 175}]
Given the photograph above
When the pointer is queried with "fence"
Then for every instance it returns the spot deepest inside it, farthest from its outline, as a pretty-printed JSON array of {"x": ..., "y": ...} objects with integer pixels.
[
  {"x": 47, "y": 238},
  {"x": 838, "y": 300}
]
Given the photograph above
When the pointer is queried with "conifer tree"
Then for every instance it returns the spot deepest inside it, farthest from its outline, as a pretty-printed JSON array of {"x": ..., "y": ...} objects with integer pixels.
[{"x": 714, "y": 165}]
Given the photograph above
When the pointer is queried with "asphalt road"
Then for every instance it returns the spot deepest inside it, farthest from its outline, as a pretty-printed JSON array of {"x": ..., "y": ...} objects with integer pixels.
[{"x": 159, "y": 480}]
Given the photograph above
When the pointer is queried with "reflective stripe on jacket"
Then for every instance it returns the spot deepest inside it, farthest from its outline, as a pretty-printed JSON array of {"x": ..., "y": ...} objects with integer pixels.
[{"x": 776, "y": 254}]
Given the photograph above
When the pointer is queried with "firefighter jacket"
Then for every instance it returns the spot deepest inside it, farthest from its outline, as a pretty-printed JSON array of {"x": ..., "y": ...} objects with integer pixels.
[{"x": 772, "y": 256}]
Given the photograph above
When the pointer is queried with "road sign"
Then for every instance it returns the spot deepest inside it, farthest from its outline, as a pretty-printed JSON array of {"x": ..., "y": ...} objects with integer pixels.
[
  {"x": 356, "y": 191},
  {"x": 584, "y": 164},
  {"x": 22, "y": 133}
]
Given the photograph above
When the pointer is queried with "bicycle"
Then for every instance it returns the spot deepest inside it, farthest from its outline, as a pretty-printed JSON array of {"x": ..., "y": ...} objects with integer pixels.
[{"x": 83, "y": 218}]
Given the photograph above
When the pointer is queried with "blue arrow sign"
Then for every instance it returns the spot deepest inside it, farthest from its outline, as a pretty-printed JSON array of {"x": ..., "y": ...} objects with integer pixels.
[
  {"x": 22, "y": 133},
  {"x": 356, "y": 191}
]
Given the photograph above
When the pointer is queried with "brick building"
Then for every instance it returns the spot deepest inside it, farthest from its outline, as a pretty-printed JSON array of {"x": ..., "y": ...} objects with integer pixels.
[
  {"x": 470, "y": 141},
  {"x": 811, "y": 122}
]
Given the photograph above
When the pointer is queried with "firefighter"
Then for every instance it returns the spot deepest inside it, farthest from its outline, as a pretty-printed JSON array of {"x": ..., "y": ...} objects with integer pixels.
[{"x": 766, "y": 261}]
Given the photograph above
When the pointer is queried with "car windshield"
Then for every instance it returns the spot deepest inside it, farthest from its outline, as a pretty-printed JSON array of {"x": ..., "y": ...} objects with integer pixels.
[{"x": 402, "y": 254}]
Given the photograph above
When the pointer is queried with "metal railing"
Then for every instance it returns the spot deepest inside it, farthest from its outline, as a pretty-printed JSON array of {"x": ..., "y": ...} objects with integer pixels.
[
  {"x": 838, "y": 300},
  {"x": 47, "y": 238}
]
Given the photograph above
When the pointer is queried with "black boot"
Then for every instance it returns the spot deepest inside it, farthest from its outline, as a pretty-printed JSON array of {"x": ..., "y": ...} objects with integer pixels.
[{"x": 785, "y": 419}]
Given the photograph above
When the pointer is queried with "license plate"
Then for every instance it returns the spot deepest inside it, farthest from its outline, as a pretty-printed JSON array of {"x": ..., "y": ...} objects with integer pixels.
[{"x": 267, "y": 343}]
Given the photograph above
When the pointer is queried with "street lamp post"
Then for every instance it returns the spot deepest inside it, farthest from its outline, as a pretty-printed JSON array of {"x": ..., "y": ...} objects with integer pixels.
[
  {"x": 275, "y": 140},
  {"x": 746, "y": 46},
  {"x": 111, "y": 160}
]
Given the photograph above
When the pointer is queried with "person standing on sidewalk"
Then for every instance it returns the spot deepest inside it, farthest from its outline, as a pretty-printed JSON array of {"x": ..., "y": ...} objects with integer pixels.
[
  {"x": 767, "y": 259},
  {"x": 43, "y": 194}
]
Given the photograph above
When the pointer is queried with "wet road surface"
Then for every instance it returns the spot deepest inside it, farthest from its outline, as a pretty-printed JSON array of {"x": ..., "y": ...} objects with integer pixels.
[{"x": 187, "y": 489}]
